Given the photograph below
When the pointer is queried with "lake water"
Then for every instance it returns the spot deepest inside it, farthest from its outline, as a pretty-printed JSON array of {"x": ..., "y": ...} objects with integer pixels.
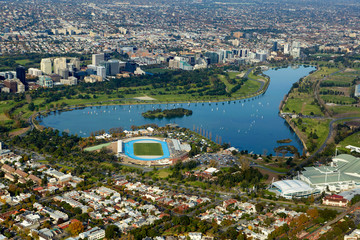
[{"x": 251, "y": 124}]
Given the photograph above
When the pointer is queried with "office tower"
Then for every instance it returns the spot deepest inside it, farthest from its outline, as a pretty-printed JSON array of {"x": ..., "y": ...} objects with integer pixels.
[
  {"x": 213, "y": 56},
  {"x": 261, "y": 56},
  {"x": 20, "y": 74},
  {"x": 130, "y": 66},
  {"x": 296, "y": 44},
  {"x": 274, "y": 47},
  {"x": 295, "y": 52},
  {"x": 229, "y": 55},
  {"x": 101, "y": 71},
  {"x": 59, "y": 63},
  {"x": 286, "y": 48},
  {"x": 114, "y": 66},
  {"x": 222, "y": 56},
  {"x": 46, "y": 66},
  {"x": 97, "y": 58},
  {"x": 76, "y": 63},
  {"x": 64, "y": 73},
  {"x": 243, "y": 53}
]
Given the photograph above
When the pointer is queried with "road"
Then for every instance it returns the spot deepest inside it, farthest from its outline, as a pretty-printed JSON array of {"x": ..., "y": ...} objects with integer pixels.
[
  {"x": 338, "y": 217},
  {"x": 246, "y": 75},
  {"x": 331, "y": 130}
]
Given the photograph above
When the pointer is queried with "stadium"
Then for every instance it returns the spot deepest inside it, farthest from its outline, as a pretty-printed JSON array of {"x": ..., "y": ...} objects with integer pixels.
[
  {"x": 151, "y": 151},
  {"x": 292, "y": 189}
]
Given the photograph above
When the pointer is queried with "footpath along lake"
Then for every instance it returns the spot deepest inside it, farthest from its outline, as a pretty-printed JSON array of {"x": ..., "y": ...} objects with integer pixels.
[{"x": 249, "y": 124}]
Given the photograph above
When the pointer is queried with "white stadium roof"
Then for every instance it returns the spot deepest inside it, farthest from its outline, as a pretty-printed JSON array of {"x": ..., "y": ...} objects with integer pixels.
[{"x": 292, "y": 186}]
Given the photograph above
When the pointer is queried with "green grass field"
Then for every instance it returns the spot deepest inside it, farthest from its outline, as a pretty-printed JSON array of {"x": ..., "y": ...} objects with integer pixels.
[
  {"x": 97, "y": 147},
  {"x": 338, "y": 99},
  {"x": 148, "y": 149},
  {"x": 353, "y": 139}
]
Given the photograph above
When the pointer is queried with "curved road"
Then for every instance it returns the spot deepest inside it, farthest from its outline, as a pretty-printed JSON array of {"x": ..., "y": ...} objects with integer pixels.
[
  {"x": 331, "y": 129},
  {"x": 246, "y": 75}
]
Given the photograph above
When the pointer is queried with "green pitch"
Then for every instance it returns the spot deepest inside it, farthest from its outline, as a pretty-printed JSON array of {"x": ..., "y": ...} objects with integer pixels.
[{"x": 148, "y": 149}]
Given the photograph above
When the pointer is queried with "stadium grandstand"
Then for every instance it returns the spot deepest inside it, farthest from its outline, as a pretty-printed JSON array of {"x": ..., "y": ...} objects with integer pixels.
[
  {"x": 343, "y": 173},
  {"x": 292, "y": 189}
]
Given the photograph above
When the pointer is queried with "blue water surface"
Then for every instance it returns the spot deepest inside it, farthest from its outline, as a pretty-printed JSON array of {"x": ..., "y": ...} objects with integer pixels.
[{"x": 251, "y": 124}]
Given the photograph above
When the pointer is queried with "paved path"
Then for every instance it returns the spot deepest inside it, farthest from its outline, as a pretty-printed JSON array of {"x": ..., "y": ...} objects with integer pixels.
[{"x": 261, "y": 82}]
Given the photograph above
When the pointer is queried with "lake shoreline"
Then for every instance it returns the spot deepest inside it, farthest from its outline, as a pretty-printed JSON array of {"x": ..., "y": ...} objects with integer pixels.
[{"x": 229, "y": 118}]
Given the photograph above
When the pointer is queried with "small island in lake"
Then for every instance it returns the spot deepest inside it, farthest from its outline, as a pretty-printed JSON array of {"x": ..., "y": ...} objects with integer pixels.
[
  {"x": 284, "y": 141},
  {"x": 167, "y": 113}
]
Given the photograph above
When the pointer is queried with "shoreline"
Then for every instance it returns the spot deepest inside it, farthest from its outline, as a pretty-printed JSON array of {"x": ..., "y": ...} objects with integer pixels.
[
  {"x": 259, "y": 92},
  {"x": 281, "y": 106},
  {"x": 119, "y": 102}
]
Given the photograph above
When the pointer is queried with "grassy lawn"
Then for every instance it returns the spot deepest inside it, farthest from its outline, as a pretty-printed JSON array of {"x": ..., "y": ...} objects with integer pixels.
[
  {"x": 3, "y": 117},
  {"x": 65, "y": 167},
  {"x": 198, "y": 184},
  {"x": 324, "y": 71},
  {"x": 249, "y": 87},
  {"x": 346, "y": 109},
  {"x": 278, "y": 169},
  {"x": 302, "y": 103},
  {"x": 148, "y": 149},
  {"x": 320, "y": 127},
  {"x": 229, "y": 86},
  {"x": 6, "y": 105},
  {"x": 353, "y": 139},
  {"x": 23, "y": 61},
  {"x": 163, "y": 173},
  {"x": 97, "y": 147},
  {"x": 338, "y": 99}
]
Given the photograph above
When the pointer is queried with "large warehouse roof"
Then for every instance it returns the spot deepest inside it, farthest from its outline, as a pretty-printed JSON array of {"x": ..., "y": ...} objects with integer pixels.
[
  {"x": 345, "y": 168},
  {"x": 292, "y": 186}
]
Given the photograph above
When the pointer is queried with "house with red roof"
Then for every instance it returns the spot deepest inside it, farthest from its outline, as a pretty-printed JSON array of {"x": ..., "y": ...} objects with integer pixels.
[{"x": 335, "y": 200}]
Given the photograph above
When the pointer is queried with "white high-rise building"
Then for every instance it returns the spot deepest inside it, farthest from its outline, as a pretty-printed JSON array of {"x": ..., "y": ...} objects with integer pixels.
[
  {"x": 295, "y": 52},
  {"x": 101, "y": 71},
  {"x": 59, "y": 63},
  {"x": 46, "y": 65},
  {"x": 287, "y": 48},
  {"x": 76, "y": 63},
  {"x": 34, "y": 72},
  {"x": 296, "y": 44},
  {"x": 97, "y": 58}
]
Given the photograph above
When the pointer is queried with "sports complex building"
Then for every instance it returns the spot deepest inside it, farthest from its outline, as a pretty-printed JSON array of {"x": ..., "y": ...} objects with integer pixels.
[
  {"x": 341, "y": 174},
  {"x": 152, "y": 151},
  {"x": 293, "y": 189}
]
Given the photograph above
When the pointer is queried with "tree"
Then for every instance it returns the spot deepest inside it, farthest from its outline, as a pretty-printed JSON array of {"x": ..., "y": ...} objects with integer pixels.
[
  {"x": 31, "y": 106},
  {"x": 355, "y": 199},
  {"x": 313, "y": 213},
  {"x": 76, "y": 227},
  {"x": 111, "y": 231}
]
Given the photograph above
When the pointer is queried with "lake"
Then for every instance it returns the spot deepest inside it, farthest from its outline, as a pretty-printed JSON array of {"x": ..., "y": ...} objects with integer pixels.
[{"x": 249, "y": 124}]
